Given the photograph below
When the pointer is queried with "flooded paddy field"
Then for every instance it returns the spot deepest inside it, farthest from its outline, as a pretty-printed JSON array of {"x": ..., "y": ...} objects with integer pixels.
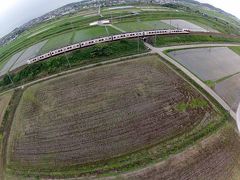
[
  {"x": 229, "y": 90},
  {"x": 209, "y": 63},
  {"x": 29, "y": 53},
  {"x": 182, "y": 24},
  {"x": 10, "y": 62}
]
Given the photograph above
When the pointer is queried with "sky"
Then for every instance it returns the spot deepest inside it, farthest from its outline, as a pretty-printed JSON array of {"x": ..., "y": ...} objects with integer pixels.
[
  {"x": 230, "y": 6},
  {"x": 14, "y": 13}
]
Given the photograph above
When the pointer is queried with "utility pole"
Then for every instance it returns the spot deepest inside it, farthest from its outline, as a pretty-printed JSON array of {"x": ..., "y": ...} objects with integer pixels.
[
  {"x": 138, "y": 43},
  {"x": 67, "y": 60},
  {"x": 106, "y": 30},
  {"x": 155, "y": 26},
  {"x": 9, "y": 77}
]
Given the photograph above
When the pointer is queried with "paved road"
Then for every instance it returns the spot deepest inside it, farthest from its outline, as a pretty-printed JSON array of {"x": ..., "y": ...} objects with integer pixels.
[{"x": 191, "y": 75}]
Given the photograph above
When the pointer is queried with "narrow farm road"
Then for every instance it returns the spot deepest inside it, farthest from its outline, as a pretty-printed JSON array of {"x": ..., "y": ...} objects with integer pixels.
[{"x": 191, "y": 75}]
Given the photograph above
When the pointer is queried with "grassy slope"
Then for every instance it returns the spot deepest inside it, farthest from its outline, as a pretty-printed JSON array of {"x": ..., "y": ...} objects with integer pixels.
[
  {"x": 6, "y": 126},
  {"x": 4, "y": 100}
]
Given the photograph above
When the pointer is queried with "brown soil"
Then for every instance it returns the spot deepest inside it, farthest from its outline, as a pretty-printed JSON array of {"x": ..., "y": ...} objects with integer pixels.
[
  {"x": 101, "y": 113},
  {"x": 215, "y": 158}
]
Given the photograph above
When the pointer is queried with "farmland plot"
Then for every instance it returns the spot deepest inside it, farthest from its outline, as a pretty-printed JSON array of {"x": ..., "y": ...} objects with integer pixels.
[
  {"x": 216, "y": 157},
  {"x": 209, "y": 63},
  {"x": 101, "y": 113},
  {"x": 57, "y": 42},
  {"x": 10, "y": 62},
  {"x": 29, "y": 53},
  {"x": 93, "y": 32},
  {"x": 182, "y": 24},
  {"x": 143, "y": 25},
  {"x": 229, "y": 90}
]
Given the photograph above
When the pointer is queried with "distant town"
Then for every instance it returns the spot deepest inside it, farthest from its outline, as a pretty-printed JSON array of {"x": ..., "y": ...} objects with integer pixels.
[{"x": 73, "y": 8}]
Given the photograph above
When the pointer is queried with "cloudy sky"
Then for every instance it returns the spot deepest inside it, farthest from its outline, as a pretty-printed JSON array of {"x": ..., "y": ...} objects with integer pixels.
[{"x": 14, "y": 13}]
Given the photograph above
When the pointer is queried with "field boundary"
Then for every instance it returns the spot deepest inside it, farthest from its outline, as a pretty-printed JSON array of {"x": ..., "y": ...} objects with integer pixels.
[
  {"x": 79, "y": 69},
  {"x": 7, "y": 124}
]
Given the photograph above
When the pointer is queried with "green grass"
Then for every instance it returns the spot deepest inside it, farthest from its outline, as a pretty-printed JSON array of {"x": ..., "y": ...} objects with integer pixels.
[
  {"x": 236, "y": 49},
  {"x": 57, "y": 42},
  {"x": 81, "y": 57},
  {"x": 186, "y": 39},
  {"x": 66, "y": 24},
  {"x": 60, "y": 27},
  {"x": 93, "y": 32},
  {"x": 143, "y": 25},
  {"x": 182, "y": 107},
  {"x": 193, "y": 104},
  {"x": 210, "y": 83}
]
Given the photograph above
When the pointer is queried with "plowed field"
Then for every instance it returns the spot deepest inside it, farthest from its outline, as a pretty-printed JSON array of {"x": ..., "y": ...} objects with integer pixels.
[
  {"x": 216, "y": 157},
  {"x": 94, "y": 115}
]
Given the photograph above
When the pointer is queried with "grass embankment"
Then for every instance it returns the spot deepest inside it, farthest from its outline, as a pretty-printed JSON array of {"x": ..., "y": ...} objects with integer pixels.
[
  {"x": 186, "y": 39},
  {"x": 5, "y": 128},
  {"x": 86, "y": 56},
  {"x": 4, "y": 101}
]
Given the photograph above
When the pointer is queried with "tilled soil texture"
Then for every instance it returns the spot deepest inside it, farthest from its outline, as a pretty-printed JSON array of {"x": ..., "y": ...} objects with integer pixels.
[
  {"x": 215, "y": 158},
  {"x": 101, "y": 113}
]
